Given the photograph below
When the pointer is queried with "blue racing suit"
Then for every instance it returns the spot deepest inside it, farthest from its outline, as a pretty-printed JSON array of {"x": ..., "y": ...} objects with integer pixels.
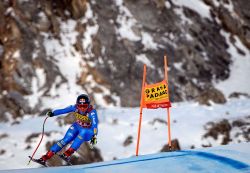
[{"x": 80, "y": 131}]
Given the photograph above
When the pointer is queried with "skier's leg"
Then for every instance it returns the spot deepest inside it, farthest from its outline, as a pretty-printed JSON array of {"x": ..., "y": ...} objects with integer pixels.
[
  {"x": 84, "y": 135},
  {"x": 69, "y": 136}
]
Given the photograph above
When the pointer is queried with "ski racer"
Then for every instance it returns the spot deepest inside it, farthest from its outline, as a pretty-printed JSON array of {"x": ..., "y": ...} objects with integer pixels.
[{"x": 84, "y": 129}]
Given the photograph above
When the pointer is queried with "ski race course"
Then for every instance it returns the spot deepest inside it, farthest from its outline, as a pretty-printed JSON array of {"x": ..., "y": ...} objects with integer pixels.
[{"x": 232, "y": 158}]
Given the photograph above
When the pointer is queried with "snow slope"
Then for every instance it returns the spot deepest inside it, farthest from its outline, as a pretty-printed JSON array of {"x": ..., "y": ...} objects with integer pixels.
[
  {"x": 232, "y": 158},
  {"x": 116, "y": 124}
]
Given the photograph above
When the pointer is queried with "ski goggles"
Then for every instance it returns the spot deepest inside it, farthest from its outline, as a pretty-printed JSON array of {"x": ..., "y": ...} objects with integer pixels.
[{"x": 83, "y": 106}]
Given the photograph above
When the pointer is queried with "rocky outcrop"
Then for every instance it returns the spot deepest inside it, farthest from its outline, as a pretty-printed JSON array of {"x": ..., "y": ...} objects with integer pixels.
[
  {"x": 237, "y": 23},
  {"x": 87, "y": 155},
  {"x": 226, "y": 131},
  {"x": 159, "y": 21},
  {"x": 211, "y": 95},
  {"x": 197, "y": 51},
  {"x": 128, "y": 141},
  {"x": 22, "y": 53},
  {"x": 175, "y": 146}
]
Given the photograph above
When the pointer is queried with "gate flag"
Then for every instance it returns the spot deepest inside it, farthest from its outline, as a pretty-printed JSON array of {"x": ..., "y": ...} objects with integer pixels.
[{"x": 156, "y": 96}]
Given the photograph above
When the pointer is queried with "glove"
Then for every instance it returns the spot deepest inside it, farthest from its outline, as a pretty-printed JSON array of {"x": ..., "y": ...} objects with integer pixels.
[
  {"x": 93, "y": 141},
  {"x": 50, "y": 114}
]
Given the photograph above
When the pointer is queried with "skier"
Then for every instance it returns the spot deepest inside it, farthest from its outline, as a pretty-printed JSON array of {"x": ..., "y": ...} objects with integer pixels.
[{"x": 84, "y": 129}]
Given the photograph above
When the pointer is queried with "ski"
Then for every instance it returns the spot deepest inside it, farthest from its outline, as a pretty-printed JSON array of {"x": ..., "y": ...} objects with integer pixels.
[
  {"x": 66, "y": 160},
  {"x": 38, "y": 161}
]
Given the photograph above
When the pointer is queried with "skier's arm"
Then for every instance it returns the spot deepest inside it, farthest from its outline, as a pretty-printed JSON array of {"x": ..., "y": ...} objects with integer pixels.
[
  {"x": 94, "y": 120},
  {"x": 68, "y": 109}
]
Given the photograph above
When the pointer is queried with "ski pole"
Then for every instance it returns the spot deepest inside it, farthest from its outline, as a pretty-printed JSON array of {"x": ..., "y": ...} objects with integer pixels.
[{"x": 40, "y": 140}]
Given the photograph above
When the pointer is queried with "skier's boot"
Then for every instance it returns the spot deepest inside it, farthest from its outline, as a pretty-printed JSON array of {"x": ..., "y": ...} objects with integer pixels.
[
  {"x": 45, "y": 157},
  {"x": 40, "y": 161},
  {"x": 66, "y": 155}
]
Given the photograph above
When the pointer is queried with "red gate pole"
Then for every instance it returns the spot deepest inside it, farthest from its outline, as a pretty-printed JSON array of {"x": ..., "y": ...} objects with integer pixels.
[
  {"x": 168, "y": 111},
  {"x": 141, "y": 106}
]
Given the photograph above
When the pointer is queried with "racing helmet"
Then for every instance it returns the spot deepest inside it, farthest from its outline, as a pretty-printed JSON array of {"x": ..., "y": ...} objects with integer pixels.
[{"x": 82, "y": 102}]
